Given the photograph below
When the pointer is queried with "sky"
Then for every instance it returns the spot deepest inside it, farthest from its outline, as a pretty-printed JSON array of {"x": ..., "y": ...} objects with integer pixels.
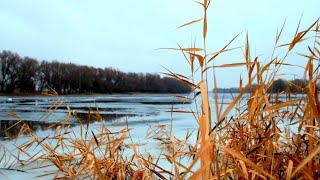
[{"x": 126, "y": 34}]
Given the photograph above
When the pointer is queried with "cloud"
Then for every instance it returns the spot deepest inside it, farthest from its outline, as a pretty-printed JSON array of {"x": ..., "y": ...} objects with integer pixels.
[{"x": 125, "y": 34}]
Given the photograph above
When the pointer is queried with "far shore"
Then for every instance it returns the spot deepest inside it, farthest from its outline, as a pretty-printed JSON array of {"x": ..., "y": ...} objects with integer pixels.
[
  {"x": 83, "y": 94},
  {"x": 104, "y": 94}
]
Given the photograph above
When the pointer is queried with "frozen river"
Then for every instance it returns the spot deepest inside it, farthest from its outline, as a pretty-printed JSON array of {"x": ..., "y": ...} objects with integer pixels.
[
  {"x": 136, "y": 108},
  {"x": 138, "y": 112}
]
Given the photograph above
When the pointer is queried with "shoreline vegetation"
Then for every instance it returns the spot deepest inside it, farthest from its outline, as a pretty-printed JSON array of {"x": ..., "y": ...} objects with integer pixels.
[
  {"x": 296, "y": 86},
  {"x": 86, "y": 94},
  {"x": 259, "y": 136},
  {"x": 26, "y": 75}
]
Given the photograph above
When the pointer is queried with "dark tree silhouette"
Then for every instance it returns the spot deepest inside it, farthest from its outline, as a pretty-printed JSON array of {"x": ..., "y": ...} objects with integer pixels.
[
  {"x": 27, "y": 75},
  {"x": 9, "y": 63}
]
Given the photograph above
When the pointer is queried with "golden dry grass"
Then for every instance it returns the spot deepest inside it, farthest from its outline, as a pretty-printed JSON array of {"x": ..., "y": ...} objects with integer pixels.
[{"x": 252, "y": 143}]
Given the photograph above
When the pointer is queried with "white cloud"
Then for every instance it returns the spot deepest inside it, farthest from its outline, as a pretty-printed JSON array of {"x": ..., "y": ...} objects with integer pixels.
[{"x": 124, "y": 34}]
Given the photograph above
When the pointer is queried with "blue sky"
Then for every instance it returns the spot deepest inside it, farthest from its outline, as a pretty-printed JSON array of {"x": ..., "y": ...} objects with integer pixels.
[{"x": 126, "y": 34}]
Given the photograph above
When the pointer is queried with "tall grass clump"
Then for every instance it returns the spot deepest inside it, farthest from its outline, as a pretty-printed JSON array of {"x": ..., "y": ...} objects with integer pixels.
[
  {"x": 258, "y": 135},
  {"x": 262, "y": 135}
]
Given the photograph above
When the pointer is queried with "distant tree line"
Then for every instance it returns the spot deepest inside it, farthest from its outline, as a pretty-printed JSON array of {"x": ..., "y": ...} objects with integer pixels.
[
  {"x": 279, "y": 85},
  {"x": 294, "y": 86},
  {"x": 27, "y": 75}
]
